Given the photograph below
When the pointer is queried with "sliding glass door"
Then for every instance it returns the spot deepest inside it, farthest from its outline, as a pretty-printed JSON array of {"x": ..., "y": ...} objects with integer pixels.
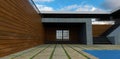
[{"x": 62, "y": 35}]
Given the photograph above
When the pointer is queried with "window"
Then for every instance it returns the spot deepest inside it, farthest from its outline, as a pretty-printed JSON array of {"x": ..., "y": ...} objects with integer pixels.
[
  {"x": 59, "y": 34},
  {"x": 65, "y": 34},
  {"x": 62, "y": 34}
]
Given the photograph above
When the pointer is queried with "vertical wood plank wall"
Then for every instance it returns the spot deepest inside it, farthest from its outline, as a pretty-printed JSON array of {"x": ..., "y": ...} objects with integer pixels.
[{"x": 20, "y": 26}]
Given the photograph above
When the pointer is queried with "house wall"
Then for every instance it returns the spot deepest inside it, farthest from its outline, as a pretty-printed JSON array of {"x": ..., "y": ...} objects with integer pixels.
[
  {"x": 74, "y": 36},
  {"x": 87, "y": 21},
  {"x": 99, "y": 29},
  {"x": 114, "y": 36},
  {"x": 20, "y": 26}
]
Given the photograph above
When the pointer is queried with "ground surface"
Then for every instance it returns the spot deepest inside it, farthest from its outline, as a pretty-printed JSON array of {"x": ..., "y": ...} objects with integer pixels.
[{"x": 60, "y": 51}]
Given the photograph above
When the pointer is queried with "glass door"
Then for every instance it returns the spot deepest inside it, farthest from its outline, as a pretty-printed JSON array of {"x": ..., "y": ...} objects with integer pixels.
[
  {"x": 59, "y": 35},
  {"x": 62, "y": 35},
  {"x": 65, "y": 35}
]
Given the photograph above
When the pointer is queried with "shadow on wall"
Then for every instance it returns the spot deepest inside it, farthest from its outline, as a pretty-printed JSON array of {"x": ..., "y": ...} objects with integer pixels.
[{"x": 20, "y": 26}]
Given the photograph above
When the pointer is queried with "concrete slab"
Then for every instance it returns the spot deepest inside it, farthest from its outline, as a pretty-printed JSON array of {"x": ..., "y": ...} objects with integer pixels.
[
  {"x": 73, "y": 54},
  {"x": 99, "y": 47},
  {"x": 30, "y": 54},
  {"x": 45, "y": 54},
  {"x": 23, "y": 54},
  {"x": 59, "y": 53},
  {"x": 84, "y": 53},
  {"x": 17, "y": 54}
]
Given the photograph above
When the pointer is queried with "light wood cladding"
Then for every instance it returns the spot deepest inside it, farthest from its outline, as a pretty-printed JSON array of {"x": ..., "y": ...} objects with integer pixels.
[
  {"x": 99, "y": 29},
  {"x": 20, "y": 26}
]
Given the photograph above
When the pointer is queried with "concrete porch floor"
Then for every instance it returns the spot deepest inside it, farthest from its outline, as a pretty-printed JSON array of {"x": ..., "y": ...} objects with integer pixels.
[{"x": 60, "y": 51}]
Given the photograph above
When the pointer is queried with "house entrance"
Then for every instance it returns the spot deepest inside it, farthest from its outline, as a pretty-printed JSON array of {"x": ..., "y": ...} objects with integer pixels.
[{"x": 65, "y": 33}]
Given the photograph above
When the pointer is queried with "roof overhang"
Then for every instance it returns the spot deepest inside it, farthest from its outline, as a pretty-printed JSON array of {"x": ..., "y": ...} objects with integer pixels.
[
  {"x": 75, "y": 15},
  {"x": 115, "y": 10},
  {"x": 74, "y": 12}
]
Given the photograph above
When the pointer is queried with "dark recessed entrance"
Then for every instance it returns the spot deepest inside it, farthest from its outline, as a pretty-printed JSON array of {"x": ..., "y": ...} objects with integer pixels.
[{"x": 66, "y": 33}]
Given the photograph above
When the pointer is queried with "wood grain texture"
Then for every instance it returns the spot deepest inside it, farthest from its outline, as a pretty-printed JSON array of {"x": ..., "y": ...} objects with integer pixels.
[
  {"x": 99, "y": 29},
  {"x": 20, "y": 26}
]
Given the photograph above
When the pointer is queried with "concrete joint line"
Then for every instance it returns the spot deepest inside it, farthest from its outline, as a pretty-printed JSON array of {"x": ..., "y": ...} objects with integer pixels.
[
  {"x": 51, "y": 56},
  {"x": 80, "y": 52},
  {"x": 24, "y": 53},
  {"x": 66, "y": 52},
  {"x": 39, "y": 52},
  {"x": 80, "y": 47}
]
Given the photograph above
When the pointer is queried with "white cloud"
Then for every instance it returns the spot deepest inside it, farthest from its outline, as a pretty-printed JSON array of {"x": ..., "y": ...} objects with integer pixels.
[
  {"x": 44, "y": 8},
  {"x": 43, "y": 0},
  {"x": 68, "y": 8},
  {"x": 76, "y": 7},
  {"x": 86, "y": 8},
  {"x": 112, "y": 4},
  {"x": 89, "y": 8}
]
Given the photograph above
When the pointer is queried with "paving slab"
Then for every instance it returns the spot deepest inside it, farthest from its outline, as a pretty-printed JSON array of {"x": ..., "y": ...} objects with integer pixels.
[
  {"x": 59, "y": 53},
  {"x": 84, "y": 53},
  {"x": 18, "y": 53},
  {"x": 73, "y": 54},
  {"x": 85, "y": 47},
  {"x": 95, "y": 47},
  {"x": 45, "y": 54},
  {"x": 24, "y": 54},
  {"x": 30, "y": 54}
]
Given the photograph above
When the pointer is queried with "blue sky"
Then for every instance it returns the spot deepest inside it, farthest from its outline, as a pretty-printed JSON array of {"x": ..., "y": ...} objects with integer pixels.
[{"x": 77, "y": 5}]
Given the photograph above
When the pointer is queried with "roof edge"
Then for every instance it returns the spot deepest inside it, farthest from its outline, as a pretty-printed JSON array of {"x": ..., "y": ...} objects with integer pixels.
[
  {"x": 74, "y": 12},
  {"x": 115, "y": 10}
]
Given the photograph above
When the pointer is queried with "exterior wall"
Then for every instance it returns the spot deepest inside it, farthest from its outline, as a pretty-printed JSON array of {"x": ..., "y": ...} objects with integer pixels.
[
  {"x": 20, "y": 26},
  {"x": 99, "y": 29},
  {"x": 89, "y": 35},
  {"x": 114, "y": 37},
  {"x": 75, "y": 31},
  {"x": 87, "y": 21}
]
